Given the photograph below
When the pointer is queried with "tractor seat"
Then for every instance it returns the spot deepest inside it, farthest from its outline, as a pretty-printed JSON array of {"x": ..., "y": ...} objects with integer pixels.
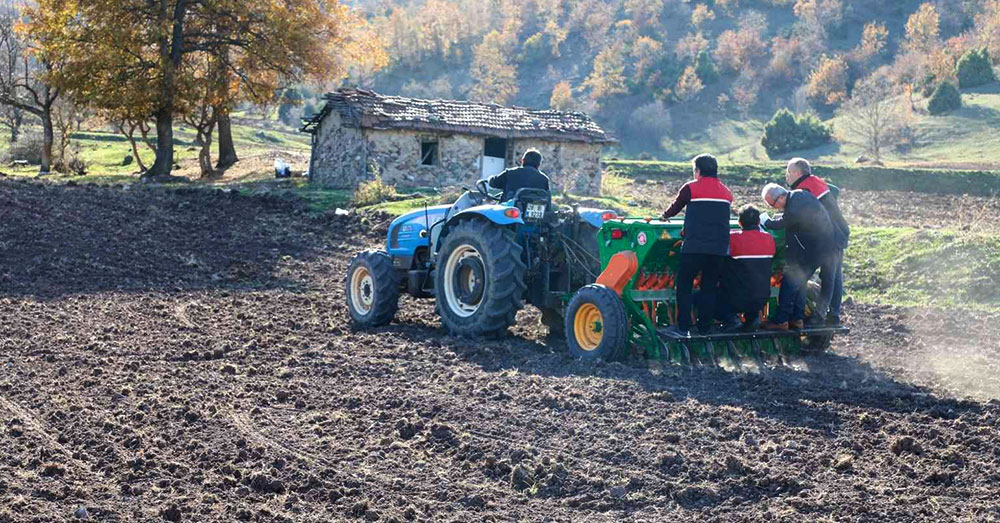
[{"x": 535, "y": 204}]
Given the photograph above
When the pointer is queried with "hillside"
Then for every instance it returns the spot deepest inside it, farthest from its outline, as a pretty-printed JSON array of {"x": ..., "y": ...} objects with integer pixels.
[
  {"x": 671, "y": 76},
  {"x": 968, "y": 138}
]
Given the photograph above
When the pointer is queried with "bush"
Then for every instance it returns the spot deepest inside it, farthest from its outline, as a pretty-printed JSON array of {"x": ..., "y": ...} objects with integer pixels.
[
  {"x": 974, "y": 69},
  {"x": 786, "y": 132},
  {"x": 946, "y": 98},
  {"x": 28, "y": 147},
  {"x": 705, "y": 68},
  {"x": 373, "y": 192}
]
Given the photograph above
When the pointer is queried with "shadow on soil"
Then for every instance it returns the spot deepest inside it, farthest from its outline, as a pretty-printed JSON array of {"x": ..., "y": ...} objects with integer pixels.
[
  {"x": 65, "y": 239},
  {"x": 814, "y": 391}
]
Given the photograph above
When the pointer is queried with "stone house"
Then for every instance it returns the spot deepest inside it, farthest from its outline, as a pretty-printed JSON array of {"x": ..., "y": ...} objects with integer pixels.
[{"x": 438, "y": 143}]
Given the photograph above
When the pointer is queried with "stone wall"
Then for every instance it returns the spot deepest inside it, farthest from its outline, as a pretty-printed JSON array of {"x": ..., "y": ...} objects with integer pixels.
[
  {"x": 396, "y": 155},
  {"x": 342, "y": 157},
  {"x": 572, "y": 166},
  {"x": 338, "y": 155}
]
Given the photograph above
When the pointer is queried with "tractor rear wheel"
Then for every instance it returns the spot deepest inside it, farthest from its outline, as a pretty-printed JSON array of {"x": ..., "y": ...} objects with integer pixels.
[
  {"x": 479, "y": 279},
  {"x": 372, "y": 289},
  {"x": 596, "y": 324}
]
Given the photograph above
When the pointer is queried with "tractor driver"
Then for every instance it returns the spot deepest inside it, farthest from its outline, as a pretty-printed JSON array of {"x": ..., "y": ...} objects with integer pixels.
[{"x": 527, "y": 176}]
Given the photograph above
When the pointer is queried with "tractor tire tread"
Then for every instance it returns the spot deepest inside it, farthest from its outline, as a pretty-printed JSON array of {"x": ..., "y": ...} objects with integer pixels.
[
  {"x": 386, "y": 302},
  {"x": 506, "y": 284},
  {"x": 613, "y": 345}
]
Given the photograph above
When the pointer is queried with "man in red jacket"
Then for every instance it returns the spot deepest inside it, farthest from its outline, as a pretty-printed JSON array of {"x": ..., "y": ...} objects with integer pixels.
[
  {"x": 746, "y": 285},
  {"x": 799, "y": 176},
  {"x": 706, "y": 241}
]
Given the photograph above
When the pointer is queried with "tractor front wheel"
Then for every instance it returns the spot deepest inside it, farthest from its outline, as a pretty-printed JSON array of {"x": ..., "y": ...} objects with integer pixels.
[
  {"x": 372, "y": 289},
  {"x": 479, "y": 279},
  {"x": 596, "y": 324}
]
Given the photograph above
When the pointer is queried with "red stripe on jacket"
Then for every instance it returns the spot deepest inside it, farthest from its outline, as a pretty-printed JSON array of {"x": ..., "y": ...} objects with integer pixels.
[
  {"x": 746, "y": 244},
  {"x": 815, "y": 185}
]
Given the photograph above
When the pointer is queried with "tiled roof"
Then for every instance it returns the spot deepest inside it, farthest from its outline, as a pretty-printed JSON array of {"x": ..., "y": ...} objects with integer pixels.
[{"x": 369, "y": 110}]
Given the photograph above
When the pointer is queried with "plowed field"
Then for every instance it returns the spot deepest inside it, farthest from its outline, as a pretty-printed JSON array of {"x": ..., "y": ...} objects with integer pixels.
[{"x": 186, "y": 356}]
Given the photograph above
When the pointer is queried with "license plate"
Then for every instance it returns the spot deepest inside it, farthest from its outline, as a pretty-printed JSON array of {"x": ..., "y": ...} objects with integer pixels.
[{"x": 535, "y": 211}]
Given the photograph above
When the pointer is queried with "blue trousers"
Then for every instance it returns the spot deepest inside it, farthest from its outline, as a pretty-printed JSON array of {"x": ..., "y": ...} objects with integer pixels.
[{"x": 792, "y": 296}]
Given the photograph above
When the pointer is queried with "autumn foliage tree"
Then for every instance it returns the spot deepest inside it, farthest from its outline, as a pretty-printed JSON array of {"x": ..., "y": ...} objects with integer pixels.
[
  {"x": 143, "y": 51},
  {"x": 828, "y": 83}
]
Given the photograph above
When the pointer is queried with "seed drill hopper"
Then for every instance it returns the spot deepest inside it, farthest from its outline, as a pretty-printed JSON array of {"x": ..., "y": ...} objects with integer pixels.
[{"x": 634, "y": 302}]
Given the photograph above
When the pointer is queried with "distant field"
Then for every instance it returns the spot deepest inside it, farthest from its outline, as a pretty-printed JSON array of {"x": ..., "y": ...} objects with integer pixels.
[
  {"x": 105, "y": 151},
  {"x": 967, "y": 138}
]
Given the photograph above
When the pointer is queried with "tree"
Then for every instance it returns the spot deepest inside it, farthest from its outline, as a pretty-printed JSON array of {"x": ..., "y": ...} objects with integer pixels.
[
  {"x": 689, "y": 47},
  {"x": 701, "y": 15},
  {"x": 608, "y": 76},
  {"x": 945, "y": 99},
  {"x": 873, "y": 41},
  {"x": 922, "y": 29},
  {"x": 494, "y": 75},
  {"x": 24, "y": 83},
  {"x": 871, "y": 118},
  {"x": 974, "y": 69},
  {"x": 562, "y": 97},
  {"x": 119, "y": 52},
  {"x": 786, "y": 133},
  {"x": 828, "y": 83},
  {"x": 689, "y": 85},
  {"x": 737, "y": 50},
  {"x": 818, "y": 16}
]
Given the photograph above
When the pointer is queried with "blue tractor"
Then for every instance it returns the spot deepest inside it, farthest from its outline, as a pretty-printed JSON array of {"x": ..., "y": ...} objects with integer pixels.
[{"x": 481, "y": 259}]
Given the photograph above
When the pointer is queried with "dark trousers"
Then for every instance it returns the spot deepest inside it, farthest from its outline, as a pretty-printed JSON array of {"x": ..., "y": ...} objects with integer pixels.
[
  {"x": 710, "y": 266},
  {"x": 792, "y": 296},
  {"x": 837, "y": 293}
]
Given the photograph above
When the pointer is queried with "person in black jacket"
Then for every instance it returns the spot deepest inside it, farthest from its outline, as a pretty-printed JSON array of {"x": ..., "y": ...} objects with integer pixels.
[
  {"x": 809, "y": 242},
  {"x": 527, "y": 175},
  {"x": 746, "y": 284},
  {"x": 706, "y": 241},
  {"x": 799, "y": 176}
]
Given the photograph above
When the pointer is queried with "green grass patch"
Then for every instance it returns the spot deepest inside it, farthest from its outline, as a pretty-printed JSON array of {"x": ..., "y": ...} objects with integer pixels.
[
  {"x": 935, "y": 181},
  {"x": 904, "y": 266}
]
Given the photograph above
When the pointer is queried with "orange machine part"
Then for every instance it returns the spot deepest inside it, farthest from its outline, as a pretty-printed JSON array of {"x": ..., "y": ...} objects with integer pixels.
[{"x": 621, "y": 268}]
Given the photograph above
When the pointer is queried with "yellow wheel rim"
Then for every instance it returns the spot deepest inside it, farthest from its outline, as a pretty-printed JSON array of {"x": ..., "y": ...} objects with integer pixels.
[{"x": 588, "y": 327}]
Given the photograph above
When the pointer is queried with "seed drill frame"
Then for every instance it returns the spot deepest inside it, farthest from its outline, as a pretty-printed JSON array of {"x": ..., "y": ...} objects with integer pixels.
[{"x": 640, "y": 258}]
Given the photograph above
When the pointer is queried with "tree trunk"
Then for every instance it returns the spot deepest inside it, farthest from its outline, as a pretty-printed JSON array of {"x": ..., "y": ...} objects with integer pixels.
[
  {"x": 227, "y": 149},
  {"x": 15, "y": 125},
  {"x": 135, "y": 151},
  {"x": 48, "y": 137},
  {"x": 164, "y": 162},
  {"x": 205, "y": 154}
]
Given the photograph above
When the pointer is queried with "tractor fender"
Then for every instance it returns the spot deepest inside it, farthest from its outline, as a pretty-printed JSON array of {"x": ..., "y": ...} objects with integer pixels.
[
  {"x": 492, "y": 213},
  {"x": 594, "y": 217}
]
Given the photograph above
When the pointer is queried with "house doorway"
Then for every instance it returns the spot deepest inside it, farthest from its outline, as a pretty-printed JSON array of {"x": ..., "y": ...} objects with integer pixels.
[{"x": 494, "y": 157}]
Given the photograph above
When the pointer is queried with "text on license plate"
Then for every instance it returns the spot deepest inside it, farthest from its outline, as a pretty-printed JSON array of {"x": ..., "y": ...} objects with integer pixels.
[{"x": 535, "y": 211}]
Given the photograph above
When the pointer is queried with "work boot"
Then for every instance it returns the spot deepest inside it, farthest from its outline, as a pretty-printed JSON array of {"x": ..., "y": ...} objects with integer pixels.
[
  {"x": 783, "y": 326},
  {"x": 796, "y": 324},
  {"x": 752, "y": 324},
  {"x": 833, "y": 321}
]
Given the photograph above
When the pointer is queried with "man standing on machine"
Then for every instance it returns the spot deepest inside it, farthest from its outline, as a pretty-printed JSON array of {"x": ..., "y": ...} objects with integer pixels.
[{"x": 706, "y": 241}]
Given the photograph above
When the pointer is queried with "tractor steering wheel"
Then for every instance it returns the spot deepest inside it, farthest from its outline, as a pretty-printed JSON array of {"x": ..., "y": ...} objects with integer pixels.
[{"x": 485, "y": 191}]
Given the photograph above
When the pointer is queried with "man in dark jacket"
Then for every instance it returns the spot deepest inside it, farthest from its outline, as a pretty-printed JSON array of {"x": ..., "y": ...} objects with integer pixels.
[
  {"x": 746, "y": 285},
  {"x": 809, "y": 242},
  {"x": 527, "y": 175},
  {"x": 799, "y": 176},
  {"x": 706, "y": 240}
]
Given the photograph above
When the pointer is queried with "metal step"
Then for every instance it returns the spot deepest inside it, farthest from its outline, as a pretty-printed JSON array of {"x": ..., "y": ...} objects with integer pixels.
[{"x": 754, "y": 335}]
